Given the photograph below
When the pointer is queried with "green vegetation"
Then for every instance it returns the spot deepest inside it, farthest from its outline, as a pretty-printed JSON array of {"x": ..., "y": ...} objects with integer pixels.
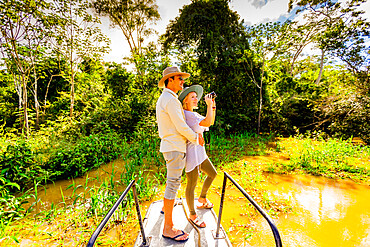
[
  {"x": 140, "y": 159},
  {"x": 74, "y": 219},
  {"x": 89, "y": 202},
  {"x": 65, "y": 111},
  {"x": 332, "y": 158}
]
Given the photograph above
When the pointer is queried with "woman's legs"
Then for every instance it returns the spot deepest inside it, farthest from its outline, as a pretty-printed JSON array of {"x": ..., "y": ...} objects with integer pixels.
[
  {"x": 189, "y": 193},
  {"x": 192, "y": 178},
  {"x": 208, "y": 168}
]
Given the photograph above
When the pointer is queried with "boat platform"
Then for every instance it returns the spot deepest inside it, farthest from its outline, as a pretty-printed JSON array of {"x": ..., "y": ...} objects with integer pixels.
[
  {"x": 154, "y": 220},
  {"x": 152, "y": 225}
]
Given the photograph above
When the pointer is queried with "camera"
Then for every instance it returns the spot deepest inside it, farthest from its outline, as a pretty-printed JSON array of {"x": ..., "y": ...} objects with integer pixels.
[{"x": 213, "y": 95}]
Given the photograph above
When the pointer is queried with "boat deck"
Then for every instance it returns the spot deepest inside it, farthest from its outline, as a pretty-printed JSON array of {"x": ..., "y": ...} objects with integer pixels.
[{"x": 153, "y": 227}]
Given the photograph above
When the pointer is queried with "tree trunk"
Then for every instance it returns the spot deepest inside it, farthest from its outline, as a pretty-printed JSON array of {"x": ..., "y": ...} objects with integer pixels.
[
  {"x": 321, "y": 67},
  {"x": 292, "y": 66},
  {"x": 72, "y": 95},
  {"x": 37, "y": 105},
  {"x": 18, "y": 88},
  {"x": 72, "y": 73},
  {"x": 261, "y": 91},
  {"x": 46, "y": 96},
  {"x": 260, "y": 110},
  {"x": 24, "y": 105}
]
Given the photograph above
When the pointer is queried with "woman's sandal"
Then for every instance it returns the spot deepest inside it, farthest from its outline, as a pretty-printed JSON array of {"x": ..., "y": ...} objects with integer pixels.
[
  {"x": 198, "y": 222},
  {"x": 205, "y": 205}
]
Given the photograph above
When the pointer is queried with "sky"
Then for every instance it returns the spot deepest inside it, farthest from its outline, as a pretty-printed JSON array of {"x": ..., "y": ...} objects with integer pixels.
[{"x": 251, "y": 11}]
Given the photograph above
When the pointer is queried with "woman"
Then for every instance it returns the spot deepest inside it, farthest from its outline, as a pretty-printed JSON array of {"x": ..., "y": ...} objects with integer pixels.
[{"x": 196, "y": 156}]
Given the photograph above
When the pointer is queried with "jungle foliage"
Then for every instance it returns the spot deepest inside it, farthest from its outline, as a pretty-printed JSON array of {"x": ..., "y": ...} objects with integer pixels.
[{"x": 64, "y": 110}]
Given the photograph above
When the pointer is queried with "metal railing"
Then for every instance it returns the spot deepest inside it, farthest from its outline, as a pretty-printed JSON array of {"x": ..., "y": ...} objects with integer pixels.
[
  {"x": 260, "y": 210},
  {"x": 113, "y": 209}
]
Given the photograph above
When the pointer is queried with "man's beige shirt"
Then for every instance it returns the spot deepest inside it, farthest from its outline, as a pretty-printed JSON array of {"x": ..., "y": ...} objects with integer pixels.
[{"x": 172, "y": 128}]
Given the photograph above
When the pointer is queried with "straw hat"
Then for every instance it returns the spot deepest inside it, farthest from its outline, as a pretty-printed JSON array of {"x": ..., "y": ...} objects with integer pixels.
[
  {"x": 194, "y": 88},
  {"x": 169, "y": 72}
]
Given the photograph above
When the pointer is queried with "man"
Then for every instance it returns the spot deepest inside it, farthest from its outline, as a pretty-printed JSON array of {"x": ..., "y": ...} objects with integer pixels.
[{"x": 174, "y": 133}]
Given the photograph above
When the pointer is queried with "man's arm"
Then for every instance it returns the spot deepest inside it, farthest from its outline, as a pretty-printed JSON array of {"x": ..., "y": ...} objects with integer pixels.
[{"x": 175, "y": 111}]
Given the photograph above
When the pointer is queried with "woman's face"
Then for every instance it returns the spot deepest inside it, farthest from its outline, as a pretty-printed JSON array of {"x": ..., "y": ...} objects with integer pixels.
[{"x": 191, "y": 101}]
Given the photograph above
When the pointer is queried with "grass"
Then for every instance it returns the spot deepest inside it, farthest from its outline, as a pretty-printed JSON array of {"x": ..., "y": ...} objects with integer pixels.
[
  {"x": 84, "y": 202},
  {"x": 333, "y": 158},
  {"x": 240, "y": 227},
  {"x": 72, "y": 220},
  {"x": 224, "y": 150}
]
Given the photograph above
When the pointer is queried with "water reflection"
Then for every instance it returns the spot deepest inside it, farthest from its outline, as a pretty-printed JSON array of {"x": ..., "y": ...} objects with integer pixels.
[
  {"x": 327, "y": 213},
  {"x": 67, "y": 190}
]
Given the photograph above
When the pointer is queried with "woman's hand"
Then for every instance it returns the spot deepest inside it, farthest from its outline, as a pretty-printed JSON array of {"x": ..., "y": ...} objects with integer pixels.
[
  {"x": 211, "y": 107},
  {"x": 208, "y": 99}
]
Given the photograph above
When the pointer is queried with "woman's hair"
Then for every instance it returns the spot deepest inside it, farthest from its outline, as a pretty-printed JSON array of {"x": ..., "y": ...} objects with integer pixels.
[{"x": 184, "y": 104}]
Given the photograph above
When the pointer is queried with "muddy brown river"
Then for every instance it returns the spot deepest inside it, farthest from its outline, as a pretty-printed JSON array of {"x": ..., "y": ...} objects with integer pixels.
[{"x": 326, "y": 212}]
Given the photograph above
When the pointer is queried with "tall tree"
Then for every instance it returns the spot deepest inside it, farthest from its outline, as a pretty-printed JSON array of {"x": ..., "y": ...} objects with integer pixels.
[
  {"x": 133, "y": 17},
  {"x": 211, "y": 37},
  {"x": 296, "y": 37},
  {"x": 209, "y": 26},
  {"x": 342, "y": 29},
  {"x": 266, "y": 43},
  {"x": 76, "y": 37},
  {"x": 25, "y": 26}
]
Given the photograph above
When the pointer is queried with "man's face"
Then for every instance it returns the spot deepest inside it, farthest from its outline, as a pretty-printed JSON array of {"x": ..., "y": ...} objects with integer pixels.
[{"x": 176, "y": 84}]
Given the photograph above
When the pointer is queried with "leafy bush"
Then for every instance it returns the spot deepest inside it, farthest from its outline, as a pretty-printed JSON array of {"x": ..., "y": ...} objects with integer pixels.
[
  {"x": 351, "y": 117},
  {"x": 89, "y": 152},
  {"x": 19, "y": 166}
]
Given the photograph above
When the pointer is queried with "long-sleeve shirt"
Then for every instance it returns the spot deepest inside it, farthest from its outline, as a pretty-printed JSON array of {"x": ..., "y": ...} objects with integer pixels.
[{"x": 172, "y": 128}]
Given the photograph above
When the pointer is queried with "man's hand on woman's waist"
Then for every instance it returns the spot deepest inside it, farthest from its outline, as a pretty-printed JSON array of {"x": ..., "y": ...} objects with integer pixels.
[{"x": 201, "y": 139}]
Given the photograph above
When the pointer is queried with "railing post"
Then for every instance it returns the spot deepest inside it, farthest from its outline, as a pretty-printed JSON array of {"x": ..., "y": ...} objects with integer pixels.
[
  {"x": 221, "y": 205},
  {"x": 260, "y": 210},
  {"x": 113, "y": 209},
  {"x": 109, "y": 215},
  {"x": 139, "y": 217}
]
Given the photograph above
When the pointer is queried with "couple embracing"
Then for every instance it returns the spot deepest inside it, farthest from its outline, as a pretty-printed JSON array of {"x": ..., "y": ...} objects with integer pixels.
[{"x": 182, "y": 145}]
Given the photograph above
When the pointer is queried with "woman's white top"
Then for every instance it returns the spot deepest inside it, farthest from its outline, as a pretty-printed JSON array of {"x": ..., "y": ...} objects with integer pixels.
[{"x": 195, "y": 154}]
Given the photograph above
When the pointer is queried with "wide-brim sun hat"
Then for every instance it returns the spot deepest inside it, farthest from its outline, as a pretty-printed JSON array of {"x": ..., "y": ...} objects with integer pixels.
[
  {"x": 198, "y": 89},
  {"x": 172, "y": 71}
]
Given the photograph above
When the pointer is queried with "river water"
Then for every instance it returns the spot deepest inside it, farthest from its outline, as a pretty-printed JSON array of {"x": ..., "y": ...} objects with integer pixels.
[{"x": 325, "y": 213}]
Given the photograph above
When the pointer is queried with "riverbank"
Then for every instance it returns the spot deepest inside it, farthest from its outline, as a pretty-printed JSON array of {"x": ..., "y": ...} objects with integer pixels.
[{"x": 71, "y": 221}]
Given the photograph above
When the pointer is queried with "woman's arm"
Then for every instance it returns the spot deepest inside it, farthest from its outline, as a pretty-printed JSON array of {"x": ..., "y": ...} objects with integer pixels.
[
  {"x": 214, "y": 111},
  {"x": 210, "y": 117}
]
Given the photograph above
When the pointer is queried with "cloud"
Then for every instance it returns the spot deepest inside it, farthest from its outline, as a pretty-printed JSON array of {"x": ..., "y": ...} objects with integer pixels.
[
  {"x": 259, "y": 3},
  {"x": 281, "y": 18},
  {"x": 268, "y": 10},
  {"x": 287, "y": 16},
  {"x": 251, "y": 11}
]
